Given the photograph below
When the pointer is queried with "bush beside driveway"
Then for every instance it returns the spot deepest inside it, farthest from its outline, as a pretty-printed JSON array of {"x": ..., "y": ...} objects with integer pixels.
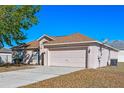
[{"x": 108, "y": 77}]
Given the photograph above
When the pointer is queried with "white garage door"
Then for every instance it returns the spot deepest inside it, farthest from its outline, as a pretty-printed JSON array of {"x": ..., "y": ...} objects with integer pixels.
[
  {"x": 73, "y": 58},
  {"x": 4, "y": 58}
]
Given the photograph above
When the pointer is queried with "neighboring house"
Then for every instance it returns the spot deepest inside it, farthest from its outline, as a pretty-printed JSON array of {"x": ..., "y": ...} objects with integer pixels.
[
  {"x": 5, "y": 56},
  {"x": 119, "y": 44},
  {"x": 74, "y": 50}
]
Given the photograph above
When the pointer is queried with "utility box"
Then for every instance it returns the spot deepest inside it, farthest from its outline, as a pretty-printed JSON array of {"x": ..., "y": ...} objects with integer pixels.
[{"x": 114, "y": 62}]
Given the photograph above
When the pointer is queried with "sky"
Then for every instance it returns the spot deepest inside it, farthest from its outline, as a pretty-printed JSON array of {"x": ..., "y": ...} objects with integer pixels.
[{"x": 97, "y": 22}]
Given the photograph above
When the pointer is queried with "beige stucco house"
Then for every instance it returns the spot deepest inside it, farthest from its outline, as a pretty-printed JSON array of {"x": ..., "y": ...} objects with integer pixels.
[{"x": 75, "y": 50}]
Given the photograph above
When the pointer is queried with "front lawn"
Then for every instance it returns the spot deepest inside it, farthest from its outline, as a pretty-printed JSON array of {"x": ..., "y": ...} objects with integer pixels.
[
  {"x": 104, "y": 77},
  {"x": 14, "y": 67},
  {"x": 119, "y": 68}
]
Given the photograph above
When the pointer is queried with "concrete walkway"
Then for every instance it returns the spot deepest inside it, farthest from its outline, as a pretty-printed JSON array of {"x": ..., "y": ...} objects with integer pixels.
[{"x": 18, "y": 78}]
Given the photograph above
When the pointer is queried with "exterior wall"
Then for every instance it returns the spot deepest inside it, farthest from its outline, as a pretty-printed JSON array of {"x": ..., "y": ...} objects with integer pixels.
[
  {"x": 105, "y": 59},
  {"x": 28, "y": 56},
  {"x": 121, "y": 56},
  {"x": 29, "y": 52},
  {"x": 103, "y": 56},
  {"x": 5, "y": 58},
  {"x": 46, "y": 58},
  {"x": 33, "y": 55},
  {"x": 45, "y": 51},
  {"x": 100, "y": 59},
  {"x": 114, "y": 54},
  {"x": 92, "y": 57},
  {"x": 41, "y": 43}
]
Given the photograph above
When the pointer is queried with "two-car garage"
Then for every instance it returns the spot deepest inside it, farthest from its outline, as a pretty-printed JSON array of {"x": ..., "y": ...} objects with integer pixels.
[
  {"x": 85, "y": 55},
  {"x": 74, "y": 57}
]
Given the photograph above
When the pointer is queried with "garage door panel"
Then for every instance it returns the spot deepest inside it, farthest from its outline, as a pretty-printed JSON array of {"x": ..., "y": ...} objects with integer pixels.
[
  {"x": 71, "y": 54},
  {"x": 68, "y": 64},
  {"x": 73, "y": 58},
  {"x": 76, "y": 60}
]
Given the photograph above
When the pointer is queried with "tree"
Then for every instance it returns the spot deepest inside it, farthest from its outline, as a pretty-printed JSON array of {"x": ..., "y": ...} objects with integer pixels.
[{"x": 14, "y": 20}]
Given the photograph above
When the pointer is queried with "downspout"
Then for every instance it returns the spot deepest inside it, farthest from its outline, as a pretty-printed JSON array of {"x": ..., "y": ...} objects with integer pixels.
[
  {"x": 38, "y": 50},
  {"x": 100, "y": 56},
  {"x": 108, "y": 58}
]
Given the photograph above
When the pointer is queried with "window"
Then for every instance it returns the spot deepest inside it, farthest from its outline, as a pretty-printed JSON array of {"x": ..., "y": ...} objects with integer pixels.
[{"x": 35, "y": 56}]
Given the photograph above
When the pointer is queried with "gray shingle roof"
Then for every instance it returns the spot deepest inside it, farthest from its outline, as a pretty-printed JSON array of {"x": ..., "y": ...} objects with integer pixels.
[{"x": 5, "y": 50}]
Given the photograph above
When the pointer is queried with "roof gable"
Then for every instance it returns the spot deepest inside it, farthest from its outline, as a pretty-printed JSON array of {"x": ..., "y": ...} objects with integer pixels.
[{"x": 46, "y": 37}]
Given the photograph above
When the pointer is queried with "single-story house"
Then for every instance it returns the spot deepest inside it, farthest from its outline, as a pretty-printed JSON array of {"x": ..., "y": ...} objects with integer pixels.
[
  {"x": 119, "y": 44},
  {"x": 75, "y": 50},
  {"x": 5, "y": 56}
]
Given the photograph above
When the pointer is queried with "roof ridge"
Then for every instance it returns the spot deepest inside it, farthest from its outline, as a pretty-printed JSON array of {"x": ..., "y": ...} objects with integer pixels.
[
  {"x": 83, "y": 35},
  {"x": 66, "y": 35}
]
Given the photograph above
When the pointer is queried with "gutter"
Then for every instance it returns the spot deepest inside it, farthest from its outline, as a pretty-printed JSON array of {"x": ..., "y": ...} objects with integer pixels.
[
  {"x": 82, "y": 43},
  {"x": 108, "y": 46},
  {"x": 70, "y": 43}
]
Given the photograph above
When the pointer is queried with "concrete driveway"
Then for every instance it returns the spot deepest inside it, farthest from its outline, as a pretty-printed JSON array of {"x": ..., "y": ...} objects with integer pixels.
[{"x": 18, "y": 78}]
